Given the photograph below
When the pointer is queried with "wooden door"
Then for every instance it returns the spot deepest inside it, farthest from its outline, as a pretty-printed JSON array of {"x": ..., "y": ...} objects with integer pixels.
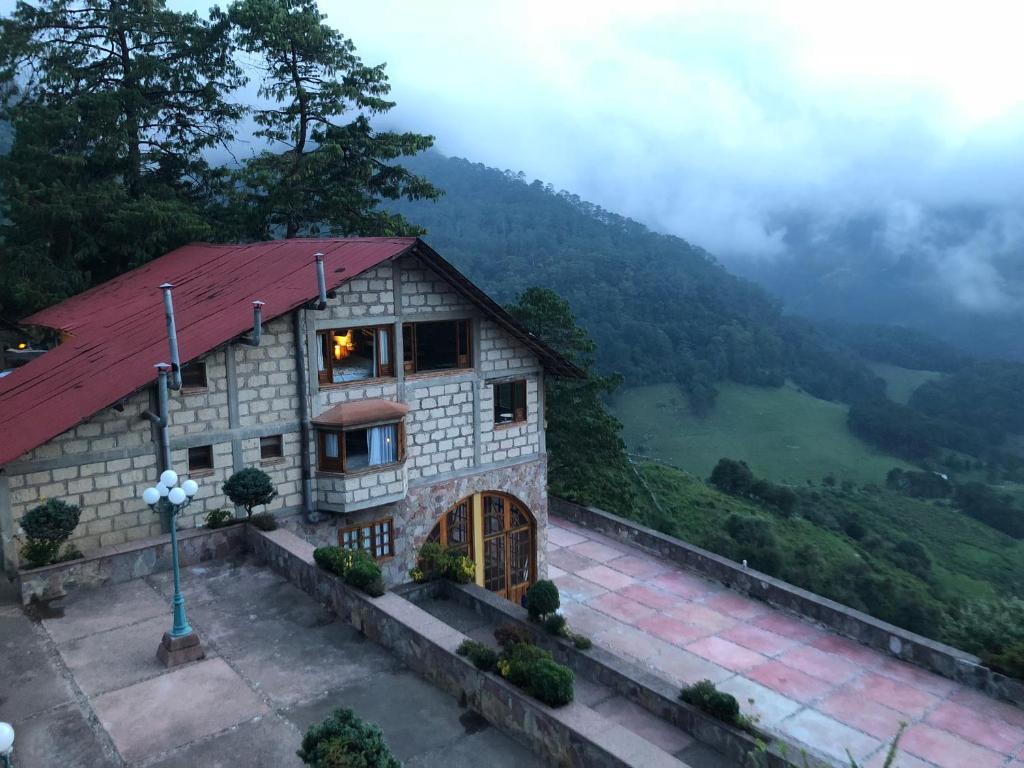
[{"x": 509, "y": 563}]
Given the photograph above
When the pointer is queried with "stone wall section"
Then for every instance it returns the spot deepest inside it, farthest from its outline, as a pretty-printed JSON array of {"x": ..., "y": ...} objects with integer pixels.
[
  {"x": 360, "y": 300},
  {"x": 266, "y": 376},
  {"x": 286, "y": 472},
  {"x": 202, "y": 410},
  {"x": 425, "y": 292},
  {"x": 102, "y": 465},
  {"x": 500, "y": 352},
  {"x": 353, "y": 491},
  {"x": 439, "y": 429},
  {"x": 506, "y": 442}
]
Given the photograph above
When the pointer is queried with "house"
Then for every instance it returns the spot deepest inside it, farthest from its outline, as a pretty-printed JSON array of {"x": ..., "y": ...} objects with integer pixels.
[{"x": 391, "y": 402}]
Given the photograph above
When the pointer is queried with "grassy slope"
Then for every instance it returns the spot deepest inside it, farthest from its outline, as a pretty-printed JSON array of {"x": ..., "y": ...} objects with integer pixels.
[
  {"x": 900, "y": 383},
  {"x": 783, "y": 434},
  {"x": 970, "y": 559}
]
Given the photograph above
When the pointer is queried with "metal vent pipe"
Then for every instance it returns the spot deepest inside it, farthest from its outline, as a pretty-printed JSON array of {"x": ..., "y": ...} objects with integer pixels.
[
  {"x": 257, "y": 324},
  {"x": 172, "y": 338},
  {"x": 321, "y": 280}
]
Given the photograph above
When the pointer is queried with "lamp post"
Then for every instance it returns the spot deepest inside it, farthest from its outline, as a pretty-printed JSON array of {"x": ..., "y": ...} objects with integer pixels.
[
  {"x": 181, "y": 644},
  {"x": 6, "y": 743}
]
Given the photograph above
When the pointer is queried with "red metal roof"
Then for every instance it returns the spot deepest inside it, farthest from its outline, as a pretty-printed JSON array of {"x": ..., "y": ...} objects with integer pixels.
[{"x": 117, "y": 330}]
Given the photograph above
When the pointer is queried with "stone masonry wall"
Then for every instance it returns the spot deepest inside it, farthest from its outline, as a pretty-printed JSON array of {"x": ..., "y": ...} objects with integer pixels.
[
  {"x": 439, "y": 429},
  {"x": 349, "y": 491},
  {"x": 500, "y": 352},
  {"x": 266, "y": 376},
  {"x": 504, "y": 442},
  {"x": 423, "y": 291},
  {"x": 363, "y": 298}
]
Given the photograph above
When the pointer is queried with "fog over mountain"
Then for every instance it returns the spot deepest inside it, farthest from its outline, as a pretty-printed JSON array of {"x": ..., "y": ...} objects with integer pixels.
[{"x": 872, "y": 147}]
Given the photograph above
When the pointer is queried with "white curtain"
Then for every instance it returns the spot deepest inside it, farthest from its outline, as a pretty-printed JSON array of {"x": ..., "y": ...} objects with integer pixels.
[
  {"x": 331, "y": 445},
  {"x": 382, "y": 444},
  {"x": 385, "y": 352},
  {"x": 320, "y": 352}
]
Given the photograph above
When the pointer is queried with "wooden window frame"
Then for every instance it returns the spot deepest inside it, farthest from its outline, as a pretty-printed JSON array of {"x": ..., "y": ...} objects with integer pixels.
[
  {"x": 367, "y": 541},
  {"x": 519, "y": 410},
  {"x": 463, "y": 346},
  {"x": 192, "y": 468},
  {"x": 382, "y": 371},
  {"x": 195, "y": 368},
  {"x": 338, "y": 466},
  {"x": 275, "y": 443}
]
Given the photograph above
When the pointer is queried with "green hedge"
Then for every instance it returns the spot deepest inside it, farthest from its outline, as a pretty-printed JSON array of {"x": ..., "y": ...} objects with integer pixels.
[{"x": 354, "y": 566}]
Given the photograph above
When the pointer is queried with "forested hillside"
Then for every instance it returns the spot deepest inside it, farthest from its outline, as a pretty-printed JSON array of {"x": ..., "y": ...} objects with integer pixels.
[{"x": 659, "y": 308}]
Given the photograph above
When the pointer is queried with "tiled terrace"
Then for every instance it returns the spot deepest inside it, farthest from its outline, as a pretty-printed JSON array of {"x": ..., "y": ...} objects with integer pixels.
[{"x": 806, "y": 682}]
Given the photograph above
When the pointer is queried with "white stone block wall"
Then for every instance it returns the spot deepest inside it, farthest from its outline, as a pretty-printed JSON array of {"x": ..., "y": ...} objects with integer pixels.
[
  {"x": 506, "y": 442},
  {"x": 285, "y": 472},
  {"x": 361, "y": 490},
  {"x": 335, "y": 394},
  {"x": 360, "y": 300},
  {"x": 423, "y": 291},
  {"x": 500, "y": 352},
  {"x": 439, "y": 429},
  {"x": 193, "y": 412},
  {"x": 267, "y": 376}
]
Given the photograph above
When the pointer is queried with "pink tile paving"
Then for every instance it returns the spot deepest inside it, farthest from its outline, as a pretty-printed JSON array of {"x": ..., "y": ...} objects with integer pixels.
[
  {"x": 824, "y": 666},
  {"x": 640, "y": 567},
  {"x": 863, "y": 713},
  {"x": 821, "y": 689},
  {"x": 789, "y": 682},
  {"x": 757, "y": 639},
  {"x": 621, "y": 608},
  {"x": 993, "y": 734},
  {"x": 595, "y": 550},
  {"x": 892, "y": 693},
  {"x": 946, "y": 750},
  {"x": 726, "y": 654},
  {"x": 606, "y": 577}
]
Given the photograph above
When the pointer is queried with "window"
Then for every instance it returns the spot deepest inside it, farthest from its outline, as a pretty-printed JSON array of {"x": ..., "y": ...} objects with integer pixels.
[
  {"x": 436, "y": 346},
  {"x": 193, "y": 376},
  {"x": 354, "y": 449},
  {"x": 353, "y": 354},
  {"x": 200, "y": 458},
  {"x": 271, "y": 447},
  {"x": 510, "y": 402},
  {"x": 376, "y": 537}
]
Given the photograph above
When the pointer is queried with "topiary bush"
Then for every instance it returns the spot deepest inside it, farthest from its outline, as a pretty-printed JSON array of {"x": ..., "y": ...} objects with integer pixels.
[
  {"x": 345, "y": 741},
  {"x": 482, "y": 657},
  {"x": 250, "y": 488},
  {"x": 534, "y": 670},
  {"x": 218, "y": 518},
  {"x": 706, "y": 697},
  {"x": 555, "y": 624},
  {"x": 542, "y": 599},
  {"x": 265, "y": 521},
  {"x": 46, "y": 528}
]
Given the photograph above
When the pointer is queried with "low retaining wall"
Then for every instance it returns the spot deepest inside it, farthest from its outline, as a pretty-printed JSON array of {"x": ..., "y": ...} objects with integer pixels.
[
  {"x": 573, "y": 735},
  {"x": 125, "y": 562},
  {"x": 916, "y": 649},
  {"x": 630, "y": 681}
]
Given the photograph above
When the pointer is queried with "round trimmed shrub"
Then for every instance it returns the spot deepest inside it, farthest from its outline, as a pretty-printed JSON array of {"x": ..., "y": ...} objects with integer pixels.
[
  {"x": 550, "y": 682},
  {"x": 46, "y": 527},
  {"x": 345, "y": 741},
  {"x": 555, "y": 624},
  {"x": 250, "y": 488},
  {"x": 542, "y": 599}
]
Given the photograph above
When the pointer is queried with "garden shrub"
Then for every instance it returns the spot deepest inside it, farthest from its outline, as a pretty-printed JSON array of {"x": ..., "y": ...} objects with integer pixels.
[
  {"x": 345, "y": 741},
  {"x": 459, "y": 568},
  {"x": 250, "y": 488},
  {"x": 542, "y": 599},
  {"x": 707, "y": 698},
  {"x": 550, "y": 682},
  {"x": 509, "y": 635},
  {"x": 46, "y": 527},
  {"x": 992, "y": 629},
  {"x": 354, "y": 566},
  {"x": 436, "y": 562},
  {"x": 430, "y": 561},
  {"x": 582, "y": 642},
  {"x": 218, "y": 518},
  {"x": 482, "y": 657},
  {"x": 265, "y": 521},
  {"x": 555, "y": 624}
]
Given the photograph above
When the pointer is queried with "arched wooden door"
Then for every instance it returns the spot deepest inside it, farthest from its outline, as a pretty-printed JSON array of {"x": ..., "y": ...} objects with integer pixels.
[{"x": 499, "y": 533}]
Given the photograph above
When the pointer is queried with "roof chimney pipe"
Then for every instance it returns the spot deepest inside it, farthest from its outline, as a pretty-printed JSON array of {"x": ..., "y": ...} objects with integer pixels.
[
  {"x": 172, "y": 338},
  {"x": 257, "y": 324},
  {"x": 321, "y": 280}
]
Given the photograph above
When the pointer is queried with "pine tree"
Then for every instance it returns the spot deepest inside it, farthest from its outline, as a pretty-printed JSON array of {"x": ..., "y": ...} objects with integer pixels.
[
  {"x": 335, "y": 168},
  {"x": 112, "y": 104}
]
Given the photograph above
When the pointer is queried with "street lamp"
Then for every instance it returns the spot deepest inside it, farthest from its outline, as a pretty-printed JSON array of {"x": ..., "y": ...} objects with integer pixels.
[
  {"x": 181, "y": 644},
  {"x": 6, "y": 743}
]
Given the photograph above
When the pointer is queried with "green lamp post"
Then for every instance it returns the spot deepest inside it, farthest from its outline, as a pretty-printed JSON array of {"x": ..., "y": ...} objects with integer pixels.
[
  {"x": 181, "y": 644},
  {"x": 6, "y": 744}
]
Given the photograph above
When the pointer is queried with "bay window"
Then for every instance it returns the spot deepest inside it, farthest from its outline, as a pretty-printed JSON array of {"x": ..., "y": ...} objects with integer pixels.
[{"x": 356, "y": 448}]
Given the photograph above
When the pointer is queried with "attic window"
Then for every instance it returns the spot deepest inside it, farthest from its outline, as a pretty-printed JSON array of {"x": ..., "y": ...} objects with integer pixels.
[
  {"x": 193, "y": 376},
  {"x": 436, "y": 346},
  {"x": 359, "y": 448},
  {"x": 354, "y": 354}
]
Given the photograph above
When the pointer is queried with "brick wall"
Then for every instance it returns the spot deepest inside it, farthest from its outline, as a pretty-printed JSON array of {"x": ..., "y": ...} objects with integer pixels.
[
  {"x": 500, "y": 352},
  {"x": 423, "y": 291},
  {"x": 439, "y": 428},
  {"x": 370, "y": 295}
]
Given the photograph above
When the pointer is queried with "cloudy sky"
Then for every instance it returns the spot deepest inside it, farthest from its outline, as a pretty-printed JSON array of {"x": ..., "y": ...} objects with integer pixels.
[{"x": 703, "y": 118}]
